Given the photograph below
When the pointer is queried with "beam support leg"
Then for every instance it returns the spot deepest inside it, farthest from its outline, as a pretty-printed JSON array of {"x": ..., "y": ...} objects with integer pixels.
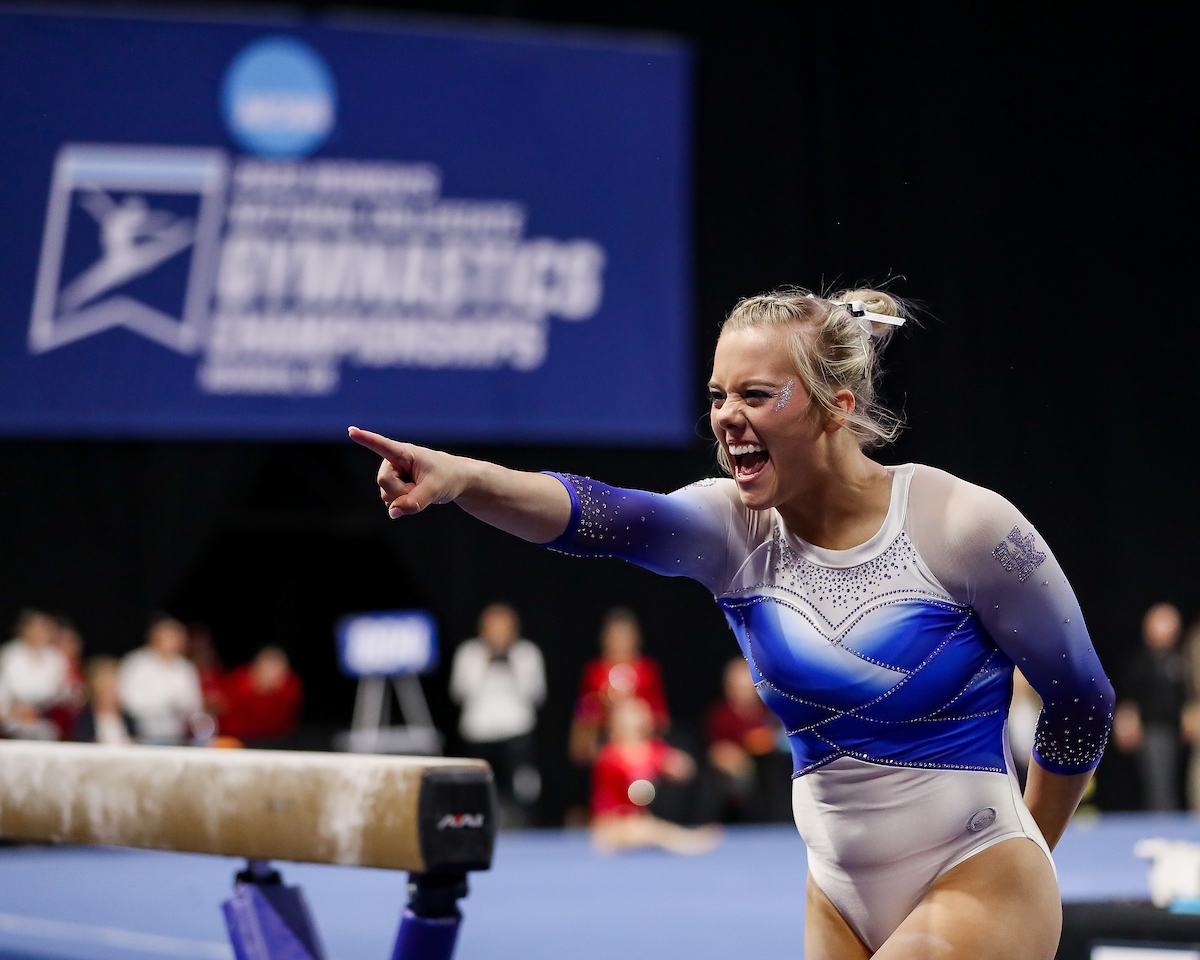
[
  {"x": 429, "y": 927},
  {"x": 268, "y": 921}
]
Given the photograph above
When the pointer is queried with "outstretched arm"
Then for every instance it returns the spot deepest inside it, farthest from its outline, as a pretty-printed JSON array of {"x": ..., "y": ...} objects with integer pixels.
[
  {"x": 687, "y": 533},
  {"x": 533, "y": 506}
]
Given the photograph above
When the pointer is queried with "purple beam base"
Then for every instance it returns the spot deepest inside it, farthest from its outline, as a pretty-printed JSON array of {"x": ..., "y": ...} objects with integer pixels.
[
  {"x": 268, "y": 921},
  {"x": 429, "y": 927},
  {"x": 426, "y": 938}
]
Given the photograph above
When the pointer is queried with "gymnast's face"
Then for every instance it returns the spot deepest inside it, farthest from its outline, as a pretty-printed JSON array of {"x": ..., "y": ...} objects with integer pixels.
[{"x": 758, "y": 415}]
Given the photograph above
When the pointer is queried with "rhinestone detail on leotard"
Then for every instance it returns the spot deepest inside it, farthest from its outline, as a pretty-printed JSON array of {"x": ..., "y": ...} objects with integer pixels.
[
  {"x": 837, "y": 593},
  {"x": 1073, "y": 746}
]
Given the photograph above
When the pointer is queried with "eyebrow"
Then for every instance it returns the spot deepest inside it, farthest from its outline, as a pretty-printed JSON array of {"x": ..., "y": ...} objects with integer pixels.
[{"x": 752, "y": 382}]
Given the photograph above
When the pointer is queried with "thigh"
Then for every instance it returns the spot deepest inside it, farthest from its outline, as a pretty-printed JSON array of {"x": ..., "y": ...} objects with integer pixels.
[
  {"x": 1001, "y": 904},
  {"x": 827, "y": 936}
]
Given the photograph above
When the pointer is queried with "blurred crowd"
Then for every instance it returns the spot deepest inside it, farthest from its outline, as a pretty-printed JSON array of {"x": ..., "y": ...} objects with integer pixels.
[
  {"x": 172, "y": 690},
  {"x": 647, "y": 778}
]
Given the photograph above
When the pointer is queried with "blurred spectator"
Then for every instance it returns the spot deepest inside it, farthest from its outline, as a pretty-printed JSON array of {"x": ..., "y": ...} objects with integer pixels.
[
  {"x": 500, "y": 681},
  {"x": 160, "y": 688},
  {"x": 624, "y": 776},
  {"x": 67, "y": 710},
  {"x": 751, "y": 777},
  {"x": 102, "y": 719},
  {"x": 203, "y": 653},
  {"x": 1023, "y": 713},
  {"x": 1191, "y": 714},
  {"x": 33, "y": 678},
  {"x": 621, "y": 672},
  {"x": 261, "y": 699},
  {"x": 1150, "y": 712}
]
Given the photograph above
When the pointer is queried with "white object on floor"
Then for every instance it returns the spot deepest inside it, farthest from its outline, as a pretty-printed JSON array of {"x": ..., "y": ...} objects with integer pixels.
[
  {"x": 1143, "y": 953},
  {"x": 1174, "y": 869}
]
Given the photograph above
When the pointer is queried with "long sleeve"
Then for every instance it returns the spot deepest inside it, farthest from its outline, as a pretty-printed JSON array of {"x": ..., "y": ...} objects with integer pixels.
[
  {"x": 989, "y": 557},
  {"x": 688, "y": 533}
]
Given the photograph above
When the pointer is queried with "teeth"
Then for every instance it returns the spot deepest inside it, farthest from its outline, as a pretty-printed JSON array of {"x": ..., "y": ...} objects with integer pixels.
[{"x": 741, "y": 449}]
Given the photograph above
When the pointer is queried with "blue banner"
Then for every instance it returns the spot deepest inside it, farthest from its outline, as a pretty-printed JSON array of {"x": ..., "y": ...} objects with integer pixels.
[{"x": 444, "y": 233}]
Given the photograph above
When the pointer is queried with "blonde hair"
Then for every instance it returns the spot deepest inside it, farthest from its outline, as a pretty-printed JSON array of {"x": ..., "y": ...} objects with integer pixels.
[{"x": 829, "y": 352}]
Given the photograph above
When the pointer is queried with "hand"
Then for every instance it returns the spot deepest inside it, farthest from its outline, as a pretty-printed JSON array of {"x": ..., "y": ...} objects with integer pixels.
[
  {"x": 731, "y": 759},
  {"x": 679, "y": 766},
  {"x": 411, "y": 477}
]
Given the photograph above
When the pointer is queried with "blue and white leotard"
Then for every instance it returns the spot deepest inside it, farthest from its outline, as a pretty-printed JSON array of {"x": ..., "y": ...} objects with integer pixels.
[{"x": 889, "y": 664}]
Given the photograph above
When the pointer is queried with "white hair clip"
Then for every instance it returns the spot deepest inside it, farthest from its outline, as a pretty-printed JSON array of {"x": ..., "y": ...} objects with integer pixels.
[{"x": 858, "y": 310}]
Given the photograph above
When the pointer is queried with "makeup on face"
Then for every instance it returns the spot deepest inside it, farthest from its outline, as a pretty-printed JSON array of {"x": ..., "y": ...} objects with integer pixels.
[{"x": 785, "y": 395}]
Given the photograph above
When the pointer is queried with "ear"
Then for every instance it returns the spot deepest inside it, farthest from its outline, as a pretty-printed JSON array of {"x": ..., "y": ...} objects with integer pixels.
[{"x": 844, "y": 403}]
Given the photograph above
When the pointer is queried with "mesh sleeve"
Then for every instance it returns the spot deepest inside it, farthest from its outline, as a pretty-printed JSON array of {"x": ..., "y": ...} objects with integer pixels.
[
  {"x": 988, "y": 556},
  {"x": 682, "y": 534}
]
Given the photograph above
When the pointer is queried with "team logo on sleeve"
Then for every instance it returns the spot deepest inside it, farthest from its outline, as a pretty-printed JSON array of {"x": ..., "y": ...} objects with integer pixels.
[{"x": 1017, "y": 553}]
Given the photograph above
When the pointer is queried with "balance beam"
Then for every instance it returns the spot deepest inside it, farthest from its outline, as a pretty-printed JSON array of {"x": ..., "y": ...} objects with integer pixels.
[{"x": 421, "y": 814}]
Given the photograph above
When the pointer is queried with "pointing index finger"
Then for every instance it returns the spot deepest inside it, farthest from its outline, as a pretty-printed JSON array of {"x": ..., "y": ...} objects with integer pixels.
[{"x": 388, "y": 449}]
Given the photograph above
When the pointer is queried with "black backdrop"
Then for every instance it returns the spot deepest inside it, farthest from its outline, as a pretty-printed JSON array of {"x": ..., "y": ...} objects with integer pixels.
[{"x": 1026, "y": 172}]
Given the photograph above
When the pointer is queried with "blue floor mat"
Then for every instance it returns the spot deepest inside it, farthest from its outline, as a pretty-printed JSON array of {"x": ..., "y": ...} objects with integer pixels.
[{"x": 548, "y": 895}]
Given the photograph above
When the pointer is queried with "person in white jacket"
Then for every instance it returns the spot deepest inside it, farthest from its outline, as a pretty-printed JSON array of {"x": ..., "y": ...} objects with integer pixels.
[
  {"x": 500, "y": 681},
  {"x": 160, "y": 688},
  {"x": 33, "y": 678}
]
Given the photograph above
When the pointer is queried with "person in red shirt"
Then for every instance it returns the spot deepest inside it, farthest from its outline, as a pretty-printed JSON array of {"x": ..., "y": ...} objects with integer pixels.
[
  {"x": 621, "y": 672},
  {"x": 67, "y": 710},
  {"x": 203, "y": 653},
  {"x": 262, "y": 698},
  {"x": 623, "y": 786}
]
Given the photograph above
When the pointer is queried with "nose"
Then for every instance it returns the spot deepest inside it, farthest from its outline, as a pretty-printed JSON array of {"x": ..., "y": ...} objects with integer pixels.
[{"x": 728, "y": 415}]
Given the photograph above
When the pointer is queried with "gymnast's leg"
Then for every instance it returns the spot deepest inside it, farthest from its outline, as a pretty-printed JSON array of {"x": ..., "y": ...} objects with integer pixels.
[
  {"x": 1001, "y": 904},
  {"x": 827, "y": 936}
]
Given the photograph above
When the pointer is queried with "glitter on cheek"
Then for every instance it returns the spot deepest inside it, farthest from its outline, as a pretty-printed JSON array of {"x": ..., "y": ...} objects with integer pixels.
[{"x": 785, "y": 395}]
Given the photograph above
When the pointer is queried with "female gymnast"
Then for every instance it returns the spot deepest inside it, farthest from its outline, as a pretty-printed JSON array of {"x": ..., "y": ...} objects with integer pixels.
[{"x": 881, "y": 610}]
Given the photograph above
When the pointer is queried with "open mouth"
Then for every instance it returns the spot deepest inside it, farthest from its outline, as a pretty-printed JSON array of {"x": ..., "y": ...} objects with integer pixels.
[{"x": 749, "y": 460}]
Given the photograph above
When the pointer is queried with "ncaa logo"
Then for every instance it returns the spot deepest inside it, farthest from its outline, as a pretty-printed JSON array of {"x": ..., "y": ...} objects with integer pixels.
[{"x": 279, "y": 98}]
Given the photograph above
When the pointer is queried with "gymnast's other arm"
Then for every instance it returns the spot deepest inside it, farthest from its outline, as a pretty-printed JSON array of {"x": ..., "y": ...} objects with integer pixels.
[
  {"x": 533, "y": 506},
  {"x": 989, "y": 556},
  {"x": 1052, "y": 799}
]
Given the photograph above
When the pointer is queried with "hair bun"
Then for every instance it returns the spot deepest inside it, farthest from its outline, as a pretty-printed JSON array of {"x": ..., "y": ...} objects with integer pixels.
[{"x": 876, "y": 300}]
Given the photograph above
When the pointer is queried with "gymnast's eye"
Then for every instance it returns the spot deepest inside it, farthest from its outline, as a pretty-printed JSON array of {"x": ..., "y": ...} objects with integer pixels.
[
  {"x": 716, "y": 397},
  {"x": 755, "y": 397}
]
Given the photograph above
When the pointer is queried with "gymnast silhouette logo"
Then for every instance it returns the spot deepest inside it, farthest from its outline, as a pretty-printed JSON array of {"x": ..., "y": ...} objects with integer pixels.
[
  {"x": 133, "y": 240},
  {"x": 119, "y": 217}
]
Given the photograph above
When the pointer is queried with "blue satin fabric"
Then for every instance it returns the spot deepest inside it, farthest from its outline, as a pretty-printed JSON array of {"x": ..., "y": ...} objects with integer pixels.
[{"x": 913, "y": 682}]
